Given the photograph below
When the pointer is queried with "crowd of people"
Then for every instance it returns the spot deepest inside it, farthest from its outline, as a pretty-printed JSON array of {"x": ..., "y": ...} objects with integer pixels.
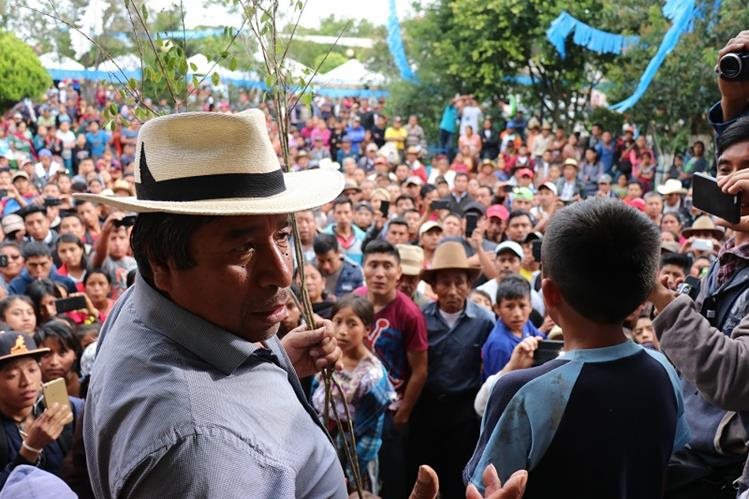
[{"x": 429, "y": 265}]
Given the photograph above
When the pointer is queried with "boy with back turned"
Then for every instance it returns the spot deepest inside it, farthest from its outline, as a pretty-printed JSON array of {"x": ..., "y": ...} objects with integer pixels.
[{"x": 603, "y": 419}]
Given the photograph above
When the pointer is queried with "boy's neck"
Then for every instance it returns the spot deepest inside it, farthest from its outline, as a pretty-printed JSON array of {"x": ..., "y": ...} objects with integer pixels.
[{"x": 583, "y": 337}]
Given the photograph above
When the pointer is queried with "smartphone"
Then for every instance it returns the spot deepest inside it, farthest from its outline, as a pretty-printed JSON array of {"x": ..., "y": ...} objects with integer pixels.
[
  {"x": 439, "y": 204},
  {"x": 384, "y": 208},
  {"x": 702, "y": 245},
  {"x": 547, "y": 350},
  {"x": 3, "y": 193},
  {"x": 472, "y": 219},
  {"x": 52, "y": 202},
  {"x": 56, "y": 391},
  {"x": 536, "y": 250},
  {"x": 708, "y": 197},
  {"x": 70, "y": 304},
  {"x": 508, "y": 188},
  {"x": 3, "y": 260},
  {"x": 127, "y": 221}
]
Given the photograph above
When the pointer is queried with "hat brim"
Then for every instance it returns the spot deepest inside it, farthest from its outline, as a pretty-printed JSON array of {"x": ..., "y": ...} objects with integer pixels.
[
  {"x": 428, "y": 275},
  {"x": 716, "y": 233},
  {"x": 665, "y": 192},
  {"x": 36, "y": 353},
  {"x": 304, "y": 190}
]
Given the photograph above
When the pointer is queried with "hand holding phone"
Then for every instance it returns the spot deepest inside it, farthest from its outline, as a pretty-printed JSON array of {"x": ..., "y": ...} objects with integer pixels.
[
  {"x": 472, "y": 220},
  {"x": 547, "y": 350},
  {"x": 707, "y": 196},
  {"x": 385, "y": 208},
  {"x": 71, "y": 303}
]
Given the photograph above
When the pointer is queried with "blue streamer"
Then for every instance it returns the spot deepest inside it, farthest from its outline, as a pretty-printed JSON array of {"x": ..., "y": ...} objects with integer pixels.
[
  {"x": 682, "y": 13},
  {"x": 586, "y": 36},
  {"x": 395, "y": 44}
]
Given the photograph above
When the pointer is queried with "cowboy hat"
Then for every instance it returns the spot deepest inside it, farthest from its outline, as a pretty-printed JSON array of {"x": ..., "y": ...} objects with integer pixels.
[
  {"x": 704, "y": 224},
  {"x": 217, "y": 164},
  {"x": 672, "y": 186},
  {"x": 449, "y": 255}
]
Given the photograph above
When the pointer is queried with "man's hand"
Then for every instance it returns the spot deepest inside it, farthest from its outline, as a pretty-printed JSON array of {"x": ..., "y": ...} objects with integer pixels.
[
  {"x": 427, "y": 485},
  {"x": 734, "y": 183},
  {"x": 400, "y": 418},
  {"x": 522, "y": 355},
  {"x": 734, "y": 94},
  {"x": 311, "y": 351},
  {"x": 661, "y": 295}
]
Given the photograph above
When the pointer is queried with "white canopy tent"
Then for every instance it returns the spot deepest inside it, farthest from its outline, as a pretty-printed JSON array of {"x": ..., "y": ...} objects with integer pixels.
[
  {"x": 351, "y": 74},
  {"x": 61, "y": 67}
]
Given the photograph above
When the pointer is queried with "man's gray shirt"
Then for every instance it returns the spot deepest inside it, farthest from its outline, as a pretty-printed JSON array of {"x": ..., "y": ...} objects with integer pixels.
[{"x": 178, "y": 407}]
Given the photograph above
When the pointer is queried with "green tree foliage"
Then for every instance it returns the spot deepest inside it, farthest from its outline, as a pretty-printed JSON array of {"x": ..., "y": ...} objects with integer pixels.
[{"x": 20, "y": 71}]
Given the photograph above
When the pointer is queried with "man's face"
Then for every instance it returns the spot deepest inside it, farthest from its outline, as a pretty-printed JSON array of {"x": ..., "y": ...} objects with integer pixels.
[
  {"x": 522, "y": 204},
  {"x": 644, "y": 332},
  {"x": 569, "y": 172},
  {"x": 674, "y": 273},
  {"x": 87, "y": 211},
  {"x": 546, "y": 198},
  {"x": 452, "y": 227},
  {"x": 672, "y": 199},
  {"x": 407, "y": 284},
  {"x": 15, "y": 262},
  {"x": 634, "y": 191},
  {"x": 39, "y": 266},
  {"x": 243, "y": 267},
  {"x": 305, "y": 222},
  {"x": 431, "y": 239},
  {"x": 653, "y": 207},
  {"x": 484, "y": 196},
  {"x": 412, "y": 219},
  {"x": 363, "y": 218},
  {"x": 506, "y": 263},
  {"x": 461, "y": 184},
  {"x": 518, "y": 228},
  {"x": 494, "y": 229},
  {"x": 37, "y": 225},
  {"x": 452, "y": 288},
  {"x": 397, "y": 234},
  {"x": 733, "y": 159},
  {"x": 328, "y": 263},
  {"x": 514, "y": 313},
  {"x": 72, "y": 225},
  {"x": 381, "y": 273},
  {"x": 23, "y": 185},
  {"x": 118, "y": 243},
  {"x": 342, "y": 215},
  {"x": 402, "y": 205}
]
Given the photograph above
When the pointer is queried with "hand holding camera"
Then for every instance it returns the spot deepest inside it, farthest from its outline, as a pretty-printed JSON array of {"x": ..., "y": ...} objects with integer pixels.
[{"x": 733, "y": 76}]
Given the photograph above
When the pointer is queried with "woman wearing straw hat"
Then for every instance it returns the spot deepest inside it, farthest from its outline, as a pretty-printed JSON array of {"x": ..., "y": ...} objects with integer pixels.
[{"x": 444, "y": 427}]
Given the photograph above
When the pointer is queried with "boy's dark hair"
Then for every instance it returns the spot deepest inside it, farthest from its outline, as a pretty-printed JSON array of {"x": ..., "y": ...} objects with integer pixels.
[
  {"x": 397, "y": 221},
  {"x": 362, "y": 307},
  {"x": 519, "y": 213},
  {"x": 513, "y": 287},
  {"x": 734, "y": 134},
  {"x": 34, "y": 248},
  {"x": 324, "y": 243},
  {"x": 342, "y": 200},
  {"x": 481, "y": 292},
  {"x": 426, "y": 189},
  {"x": 587, "y": 237},
  {"x": 404, "y": 197},
  {"x": 678, "y": 259},
  {"x": 381, "y": 246},
  {"x": 101, "y": 271},
  {"x": 461, "y": 174}
]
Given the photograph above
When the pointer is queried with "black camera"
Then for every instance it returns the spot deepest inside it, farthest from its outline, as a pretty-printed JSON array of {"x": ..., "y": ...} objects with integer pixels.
[{"x": 734, "y": 66}]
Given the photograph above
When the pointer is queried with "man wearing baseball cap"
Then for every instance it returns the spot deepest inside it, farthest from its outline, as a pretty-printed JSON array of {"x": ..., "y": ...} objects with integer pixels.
[
  {"x": 496, "y": 216},
  {"x": 547, "y": 205}
]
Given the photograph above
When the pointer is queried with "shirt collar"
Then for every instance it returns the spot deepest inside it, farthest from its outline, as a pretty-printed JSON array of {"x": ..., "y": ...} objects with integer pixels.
[
  {"x": 218, "y": 347},
  {"x": 605, "y": 354}
]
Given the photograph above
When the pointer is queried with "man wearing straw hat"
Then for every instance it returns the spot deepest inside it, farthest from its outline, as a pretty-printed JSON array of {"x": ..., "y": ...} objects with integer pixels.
[
  {"x": 180, "y": 398},
  {"x": 444, "y": 427}
]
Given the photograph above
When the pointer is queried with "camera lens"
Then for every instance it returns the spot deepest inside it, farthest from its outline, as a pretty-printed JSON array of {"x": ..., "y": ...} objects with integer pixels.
[{"x": 730, "y": 66}]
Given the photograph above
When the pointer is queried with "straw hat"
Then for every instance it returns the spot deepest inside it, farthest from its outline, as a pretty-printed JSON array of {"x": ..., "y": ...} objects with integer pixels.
[
  {"x": 448, "y": 256},
  {"x": 704, "y": 224},
  {"x": 217, "y": 164},
  {"x": 412, "y": 258},
  {"x": 672, "y": 186}
]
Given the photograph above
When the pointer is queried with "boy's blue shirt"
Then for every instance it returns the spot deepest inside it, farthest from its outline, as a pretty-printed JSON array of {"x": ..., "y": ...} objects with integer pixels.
[{"x": 498, "y": 348}]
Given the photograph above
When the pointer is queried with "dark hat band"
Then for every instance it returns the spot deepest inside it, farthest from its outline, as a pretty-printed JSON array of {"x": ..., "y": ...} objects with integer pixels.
[{"x": 221, "y": 186}]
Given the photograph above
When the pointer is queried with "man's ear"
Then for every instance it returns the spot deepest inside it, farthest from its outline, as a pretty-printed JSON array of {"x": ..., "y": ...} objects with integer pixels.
[
  {"x": 551, "y": 295},
  {"x": 162, "y": 277}
]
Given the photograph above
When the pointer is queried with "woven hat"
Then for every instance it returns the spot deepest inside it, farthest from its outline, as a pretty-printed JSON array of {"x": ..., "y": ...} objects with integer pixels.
[
  {"x": 704, "y": 224},
  {"x": 13, "y": 345},
  {"x": 412, "y": 258},
  {"x": 217, "y": 164},
  {"x": 448, "y": 256},
  {"x": 672, "y": 186}
]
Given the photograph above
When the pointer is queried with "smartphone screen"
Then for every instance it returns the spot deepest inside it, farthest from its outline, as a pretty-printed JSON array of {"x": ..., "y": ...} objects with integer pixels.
[
  {"x": 471, "y": 222},
  {"x": 384, "y": 208},
  {"x": 536, "y": 249},
  {"x": 547, "y": 350},
  {"x": 70, "y": 304},
  {"x": 708, "y": 197},
  {"x": 56, "y": 391}
]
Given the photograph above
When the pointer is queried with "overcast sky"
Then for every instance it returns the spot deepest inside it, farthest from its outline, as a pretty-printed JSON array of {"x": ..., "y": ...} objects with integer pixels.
[{"x": 374, "y": 10}]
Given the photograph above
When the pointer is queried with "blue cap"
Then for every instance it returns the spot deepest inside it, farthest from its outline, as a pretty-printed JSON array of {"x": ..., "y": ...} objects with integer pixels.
[{"x": 45, "y": 153}]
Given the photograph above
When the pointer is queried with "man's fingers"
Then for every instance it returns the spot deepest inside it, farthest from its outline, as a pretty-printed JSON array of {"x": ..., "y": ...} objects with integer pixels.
[
  {"x": 514, "y": 488},
  {"x": 427, "y": 484},
  {"x": 472, "y": 492},
  {"x": 492, "y": 483},
  {"x": 738, "y": 44}
]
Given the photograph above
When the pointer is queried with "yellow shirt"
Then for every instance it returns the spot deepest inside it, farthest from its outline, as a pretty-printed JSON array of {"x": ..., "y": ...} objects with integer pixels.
[{"x": 399, "y": 136}]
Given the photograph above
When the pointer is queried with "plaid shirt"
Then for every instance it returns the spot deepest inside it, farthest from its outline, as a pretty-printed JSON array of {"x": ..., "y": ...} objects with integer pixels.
[{"x": 731, "y": 258}]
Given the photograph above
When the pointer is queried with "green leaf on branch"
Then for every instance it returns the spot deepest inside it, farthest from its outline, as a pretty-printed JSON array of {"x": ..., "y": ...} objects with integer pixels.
[{"x": 215, "y": 79}]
